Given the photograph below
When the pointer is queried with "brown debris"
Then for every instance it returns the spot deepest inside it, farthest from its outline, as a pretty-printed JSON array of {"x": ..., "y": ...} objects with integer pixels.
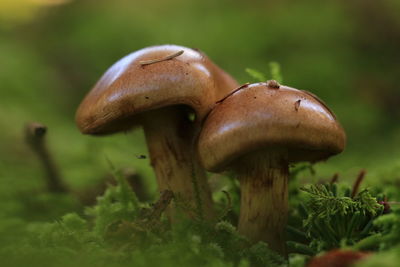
[
  {"x": 297, "y": 105},
  {"x": 273, "y": 84},
  {"x": 161, "y": 205}
]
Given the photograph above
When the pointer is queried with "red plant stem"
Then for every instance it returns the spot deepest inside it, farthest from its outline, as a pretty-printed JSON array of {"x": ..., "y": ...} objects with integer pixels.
[{"x": 356, "y": 185}]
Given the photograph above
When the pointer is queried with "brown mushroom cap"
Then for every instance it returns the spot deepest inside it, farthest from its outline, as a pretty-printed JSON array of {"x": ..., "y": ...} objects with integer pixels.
[
  {"x": 130, "y": 87},
  {"x": 261, "y": 117}
]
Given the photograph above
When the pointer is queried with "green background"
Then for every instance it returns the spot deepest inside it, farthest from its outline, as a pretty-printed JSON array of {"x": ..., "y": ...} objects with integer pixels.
[{"x": 52, "y": 52}]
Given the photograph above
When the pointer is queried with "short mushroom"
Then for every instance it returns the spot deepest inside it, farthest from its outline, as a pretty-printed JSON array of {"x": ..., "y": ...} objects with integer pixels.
[
  {"x": 257, "y": 131},
  {"x": 156, "y": 87}
]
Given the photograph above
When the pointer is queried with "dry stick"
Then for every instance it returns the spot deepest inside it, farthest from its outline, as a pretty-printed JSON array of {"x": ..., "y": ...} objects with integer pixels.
[
  {"x": 35, "y": 137},
  {"x": 160, "y": 206},
  {"x": 148, "y": 220},
  {"x": 151, "y": 218},
  {"x": 232, "y": 92}
]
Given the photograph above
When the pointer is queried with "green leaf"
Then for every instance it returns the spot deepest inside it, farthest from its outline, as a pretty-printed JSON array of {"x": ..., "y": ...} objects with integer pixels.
[
  {"x": 256, "y": 75},
  {"x": 275, "y": 69}
]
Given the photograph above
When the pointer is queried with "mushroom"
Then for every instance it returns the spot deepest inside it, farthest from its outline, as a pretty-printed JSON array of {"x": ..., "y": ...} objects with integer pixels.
[
  {"x": 158, "y": 88},
  {"x": 257, "y": 131}
]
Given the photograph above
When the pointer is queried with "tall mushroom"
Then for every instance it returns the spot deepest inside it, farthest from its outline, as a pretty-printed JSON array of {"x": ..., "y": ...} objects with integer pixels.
[
  {"x": 257, "y": 131},
  {"x": 157, "y": 87}
]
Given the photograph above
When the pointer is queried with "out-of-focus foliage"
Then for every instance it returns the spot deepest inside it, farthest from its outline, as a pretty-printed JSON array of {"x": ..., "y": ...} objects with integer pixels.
[
  {"x": 21, "y": 11},
  {"x": 121, "y": 232}
]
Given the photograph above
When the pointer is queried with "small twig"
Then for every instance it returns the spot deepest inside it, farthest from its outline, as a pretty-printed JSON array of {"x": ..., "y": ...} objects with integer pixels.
[
  {"x": 152, "y": 61},
  {"x": 161, "y": 205},
  {"x": 357, "y": 183},
  {"x": 35, "y": 137},
  {"x": 232, "y": 92},
  {"x": 149, "y": 220},
  {"x": 320, "y": 101}
]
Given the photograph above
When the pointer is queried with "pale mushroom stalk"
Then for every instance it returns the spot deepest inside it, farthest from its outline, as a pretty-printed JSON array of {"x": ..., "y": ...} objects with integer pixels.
[
  {"x": 263, "y": 180},
  {"x": 169, "y": 137},
  {"x": 155, "y": 88}
]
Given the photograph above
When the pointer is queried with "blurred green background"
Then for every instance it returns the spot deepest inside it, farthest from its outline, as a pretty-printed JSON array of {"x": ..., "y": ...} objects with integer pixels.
[{"x": 52, "y": 52}]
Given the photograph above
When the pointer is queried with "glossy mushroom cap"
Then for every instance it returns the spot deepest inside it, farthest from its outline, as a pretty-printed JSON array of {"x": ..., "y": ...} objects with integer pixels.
[
  {"x": 266, "y": 116},
  {"x": 132, "y": 86}
]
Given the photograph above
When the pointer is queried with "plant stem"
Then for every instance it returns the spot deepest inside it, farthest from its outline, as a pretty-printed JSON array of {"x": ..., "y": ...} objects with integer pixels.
[
  {"x": 169, "y": 135},
  {"x": 264, "y": 198}
]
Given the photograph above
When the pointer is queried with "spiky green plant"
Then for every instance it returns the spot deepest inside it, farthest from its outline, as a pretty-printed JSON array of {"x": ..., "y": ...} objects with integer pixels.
[{"x": 334, "y": 219}]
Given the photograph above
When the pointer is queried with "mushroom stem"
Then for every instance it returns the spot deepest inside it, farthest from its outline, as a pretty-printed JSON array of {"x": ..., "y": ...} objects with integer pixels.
[
  {"x": 169, "y": 135},
  {"x": 264, "y": 198}
]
